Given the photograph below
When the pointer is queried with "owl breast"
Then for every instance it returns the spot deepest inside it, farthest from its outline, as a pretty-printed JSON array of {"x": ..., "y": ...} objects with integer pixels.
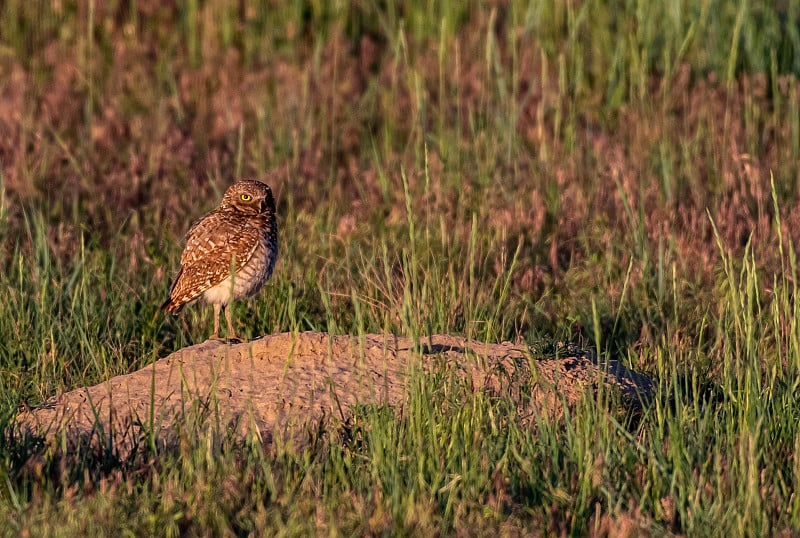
[{"x": 248, "y": 280}]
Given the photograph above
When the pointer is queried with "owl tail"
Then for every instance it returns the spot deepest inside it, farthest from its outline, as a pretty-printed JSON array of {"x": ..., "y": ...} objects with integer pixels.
[
  {"x": 171, "y": 306},
  {"x": 168, "y": 306}
]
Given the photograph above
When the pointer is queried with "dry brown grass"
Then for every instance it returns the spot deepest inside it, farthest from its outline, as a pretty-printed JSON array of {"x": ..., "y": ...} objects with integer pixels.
[{"x": 164, "y": 135}]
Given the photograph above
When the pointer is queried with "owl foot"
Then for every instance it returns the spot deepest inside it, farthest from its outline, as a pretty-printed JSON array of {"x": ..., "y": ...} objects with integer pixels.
[{"x": 229, "y": 340}]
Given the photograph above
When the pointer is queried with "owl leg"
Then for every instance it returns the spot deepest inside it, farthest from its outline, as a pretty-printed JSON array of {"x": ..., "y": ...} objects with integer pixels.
[
  {"x": 228, "y": 316},
  {"x": 215, "y": 336}
]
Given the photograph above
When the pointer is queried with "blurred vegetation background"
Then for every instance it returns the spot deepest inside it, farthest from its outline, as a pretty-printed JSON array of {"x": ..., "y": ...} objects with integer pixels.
[
  {"x": 576, "y": 135},
  {"x": 619, "y": 173}
]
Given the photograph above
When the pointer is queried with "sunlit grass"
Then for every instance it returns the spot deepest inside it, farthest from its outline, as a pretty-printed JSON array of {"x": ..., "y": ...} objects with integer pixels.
[{"x": 621, "y": 175}]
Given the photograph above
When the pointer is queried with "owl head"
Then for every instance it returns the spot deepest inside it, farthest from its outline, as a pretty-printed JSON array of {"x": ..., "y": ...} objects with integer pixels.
[{"x": 249, "y": 196}]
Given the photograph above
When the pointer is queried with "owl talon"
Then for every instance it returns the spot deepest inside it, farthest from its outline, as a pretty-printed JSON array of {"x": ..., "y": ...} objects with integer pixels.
[{"x": 229, "y": 340}]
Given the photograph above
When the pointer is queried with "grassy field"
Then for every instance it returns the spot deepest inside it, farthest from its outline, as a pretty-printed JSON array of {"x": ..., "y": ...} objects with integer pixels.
[{"x": 620, "y": 174}]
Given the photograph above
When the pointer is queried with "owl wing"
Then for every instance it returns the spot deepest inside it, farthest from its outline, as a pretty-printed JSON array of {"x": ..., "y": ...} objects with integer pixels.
[{"x": 211, "y": 245}]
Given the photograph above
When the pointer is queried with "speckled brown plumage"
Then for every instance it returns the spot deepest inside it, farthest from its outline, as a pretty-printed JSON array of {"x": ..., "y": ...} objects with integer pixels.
[{"x": 230, "y": 252}]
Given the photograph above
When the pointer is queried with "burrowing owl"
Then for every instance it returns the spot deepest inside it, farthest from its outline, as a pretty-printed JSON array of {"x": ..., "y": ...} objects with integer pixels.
[{"x": 230, "y": 252}]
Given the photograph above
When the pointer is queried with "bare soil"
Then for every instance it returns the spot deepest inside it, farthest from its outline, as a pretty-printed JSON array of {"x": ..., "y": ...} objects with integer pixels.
[{"x": 286, "y": 385}]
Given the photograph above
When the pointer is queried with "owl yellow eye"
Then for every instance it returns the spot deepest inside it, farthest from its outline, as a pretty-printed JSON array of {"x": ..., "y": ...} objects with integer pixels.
[{"x": 246, "y": 197}]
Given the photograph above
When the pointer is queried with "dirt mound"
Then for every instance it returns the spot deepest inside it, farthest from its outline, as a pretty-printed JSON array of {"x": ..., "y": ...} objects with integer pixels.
[{"x": 286, "y": 383}]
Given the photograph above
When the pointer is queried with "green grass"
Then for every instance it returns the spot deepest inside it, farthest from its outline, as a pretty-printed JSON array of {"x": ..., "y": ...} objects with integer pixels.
[{"x": 619, "y": 174}]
